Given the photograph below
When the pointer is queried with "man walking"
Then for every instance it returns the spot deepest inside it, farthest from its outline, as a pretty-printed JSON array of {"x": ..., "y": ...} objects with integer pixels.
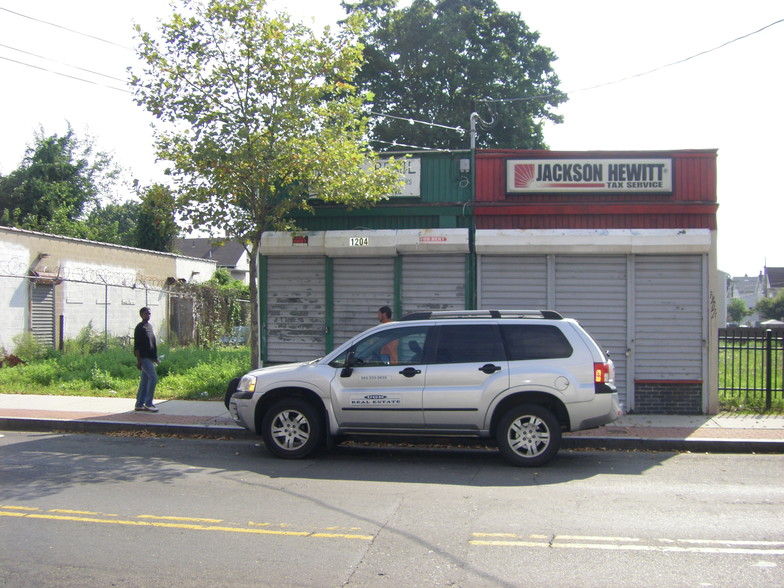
[{"x": 146, "y": 352}]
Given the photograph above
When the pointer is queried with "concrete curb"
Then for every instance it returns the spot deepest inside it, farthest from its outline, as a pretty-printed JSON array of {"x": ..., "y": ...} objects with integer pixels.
[
  {"x": 675, "y": 444},
  {"x": 103, "y": 427},
  {"x": 703, "y": 445}
]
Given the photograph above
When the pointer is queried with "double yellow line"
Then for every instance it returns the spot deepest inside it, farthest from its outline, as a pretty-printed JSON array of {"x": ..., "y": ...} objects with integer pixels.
[{"x": 169, "y": 522}]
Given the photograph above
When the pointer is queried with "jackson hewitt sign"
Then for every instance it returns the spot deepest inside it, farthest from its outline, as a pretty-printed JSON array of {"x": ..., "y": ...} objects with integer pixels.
[{"x": 588, "y": 175}]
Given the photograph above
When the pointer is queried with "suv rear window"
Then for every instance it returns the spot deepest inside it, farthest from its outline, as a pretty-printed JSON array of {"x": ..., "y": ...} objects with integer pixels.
[{"x": 535, "y": 342}]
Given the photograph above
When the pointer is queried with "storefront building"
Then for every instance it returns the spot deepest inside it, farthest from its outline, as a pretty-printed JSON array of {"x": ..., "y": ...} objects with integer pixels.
[{"x": 625, "y": 242}]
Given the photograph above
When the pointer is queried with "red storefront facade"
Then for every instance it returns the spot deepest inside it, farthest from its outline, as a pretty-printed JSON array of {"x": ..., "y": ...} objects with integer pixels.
[{"x": 691, "y": 203}]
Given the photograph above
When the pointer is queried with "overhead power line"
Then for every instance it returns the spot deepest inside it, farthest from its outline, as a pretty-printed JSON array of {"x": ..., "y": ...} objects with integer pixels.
[
  {"x": 63, "y": 63},
  {"x": 638, "y": 75},
  {"x": 397, "y": 144},
  {"x": 57, "y": 73},
  {"x": 685, "y": 59},
  {"x": 420, "y": 122},
  {"x": 51, "y": 24}
]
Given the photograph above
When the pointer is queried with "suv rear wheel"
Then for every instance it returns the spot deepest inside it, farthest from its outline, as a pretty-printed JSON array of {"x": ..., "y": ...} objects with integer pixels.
[
  {"x": 528, "y": 435},
  {"x": 291, "y": 428}
]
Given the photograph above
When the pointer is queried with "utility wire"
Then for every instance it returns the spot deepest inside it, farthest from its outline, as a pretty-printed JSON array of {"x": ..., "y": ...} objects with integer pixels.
[
  {"x": 397, "y": 144},
  {"x": 63, "y": 63},
  {"x": 65, "y": 75},
  {"x": 421, "y": 122},
  {"x": 51, "y": 24},
  {"x": 554, "y": 94},
  {"x": 638, "y": 75}
]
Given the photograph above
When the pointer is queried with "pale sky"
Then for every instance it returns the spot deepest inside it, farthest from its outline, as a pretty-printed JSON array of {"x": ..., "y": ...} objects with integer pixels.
[{"x": 729, "y": 99}]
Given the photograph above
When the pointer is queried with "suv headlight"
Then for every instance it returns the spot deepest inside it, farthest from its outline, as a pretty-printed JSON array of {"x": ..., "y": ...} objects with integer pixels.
[{"x": 247, "y": 384}]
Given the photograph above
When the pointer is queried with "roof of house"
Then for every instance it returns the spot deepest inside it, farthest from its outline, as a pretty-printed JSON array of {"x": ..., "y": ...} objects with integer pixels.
[
  {"x": 745, "y": 284},
  {"x": 775, "y": 276},
  {"x": 225, "y": 254}
]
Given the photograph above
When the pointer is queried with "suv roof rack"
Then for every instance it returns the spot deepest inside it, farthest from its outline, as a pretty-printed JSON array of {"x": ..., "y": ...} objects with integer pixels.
[{"x": 459, "y": 314}]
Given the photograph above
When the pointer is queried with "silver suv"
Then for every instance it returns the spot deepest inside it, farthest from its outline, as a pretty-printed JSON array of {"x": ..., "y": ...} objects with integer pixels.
[{"x": 517, "y": 376}]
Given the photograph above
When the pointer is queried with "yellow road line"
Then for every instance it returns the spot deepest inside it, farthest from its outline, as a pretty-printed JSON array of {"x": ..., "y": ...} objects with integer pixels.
[
  {"x": 596, "y": 538},
  {"x": 342, "y": 536},
  {"x": 64, "y": 511},
  {"x": 195, "y": 520},
  {"x": 162, "y": 522}
]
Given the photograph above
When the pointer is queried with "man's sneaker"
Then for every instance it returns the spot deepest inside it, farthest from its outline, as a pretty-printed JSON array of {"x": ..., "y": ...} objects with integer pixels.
[
  {"x": 139, "y": 408},
  {"x": 150, "y": 408}
]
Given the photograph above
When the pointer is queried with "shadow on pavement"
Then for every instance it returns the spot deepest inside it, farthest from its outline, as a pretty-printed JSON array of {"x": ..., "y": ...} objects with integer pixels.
[{"x": 42, "y": 464}]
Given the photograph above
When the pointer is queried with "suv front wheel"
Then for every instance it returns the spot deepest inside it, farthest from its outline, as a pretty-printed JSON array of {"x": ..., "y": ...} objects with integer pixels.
[
  {"x": 528, "y": 435},
  {"x": 291, "y": 428}
]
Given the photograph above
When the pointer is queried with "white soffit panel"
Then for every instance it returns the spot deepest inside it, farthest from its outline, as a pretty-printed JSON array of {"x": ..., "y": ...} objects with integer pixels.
[{"x": 601, "y": 241}]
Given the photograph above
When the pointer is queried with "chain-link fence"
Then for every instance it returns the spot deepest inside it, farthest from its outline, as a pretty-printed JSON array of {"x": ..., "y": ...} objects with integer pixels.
[{"x": 58, "y": 307}]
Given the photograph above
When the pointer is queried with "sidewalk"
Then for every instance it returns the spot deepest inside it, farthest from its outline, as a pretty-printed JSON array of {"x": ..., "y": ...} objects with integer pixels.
[
  {"x": 88, "y": 414},
  {"x": 728, "y": 433}
]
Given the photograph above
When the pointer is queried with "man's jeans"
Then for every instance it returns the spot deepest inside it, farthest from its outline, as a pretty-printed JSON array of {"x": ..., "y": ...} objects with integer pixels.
[{"x": 147, "y": 383}]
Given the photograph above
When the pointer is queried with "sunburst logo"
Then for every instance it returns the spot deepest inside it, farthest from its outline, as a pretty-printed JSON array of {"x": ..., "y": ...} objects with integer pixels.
[{"x": 524, "y": 174}]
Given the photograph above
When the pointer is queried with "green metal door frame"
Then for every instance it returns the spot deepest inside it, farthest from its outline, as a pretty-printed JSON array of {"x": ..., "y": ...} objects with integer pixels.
[
  {"x": 261, "y": 268},
  {"x": 329, "y": 303}
]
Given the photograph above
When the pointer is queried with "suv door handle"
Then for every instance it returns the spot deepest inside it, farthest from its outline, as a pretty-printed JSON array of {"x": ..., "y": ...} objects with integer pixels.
[
  {"x": 410, "y": 372},
  {"x": 489, "y": 368}
]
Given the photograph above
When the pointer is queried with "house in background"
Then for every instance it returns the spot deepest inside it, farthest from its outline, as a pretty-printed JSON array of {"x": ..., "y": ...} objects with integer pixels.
[
  {"x": 750, "y": 290},
  {"x": 228, "y": 255},
  {"x": 774, "y": 281}
]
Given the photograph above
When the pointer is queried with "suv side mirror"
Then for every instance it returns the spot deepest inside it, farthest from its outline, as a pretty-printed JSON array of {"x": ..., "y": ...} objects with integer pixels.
[{"x": 348, "y": 368}]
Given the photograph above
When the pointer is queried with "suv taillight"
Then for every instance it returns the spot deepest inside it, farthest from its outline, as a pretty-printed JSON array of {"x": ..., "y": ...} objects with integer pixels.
[{"x": 603, "y": 373}]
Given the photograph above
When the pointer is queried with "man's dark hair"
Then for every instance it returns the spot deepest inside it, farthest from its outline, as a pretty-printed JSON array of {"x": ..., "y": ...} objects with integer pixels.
[
  {"x": 386, "y": 311},
  {"x": 143, "y": 308}
]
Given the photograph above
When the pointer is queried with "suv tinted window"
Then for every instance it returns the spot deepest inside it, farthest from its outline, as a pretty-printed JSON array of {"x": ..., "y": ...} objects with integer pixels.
[
  {"x": 469, "y": 344},
  {"x": 535, "y": 342}
]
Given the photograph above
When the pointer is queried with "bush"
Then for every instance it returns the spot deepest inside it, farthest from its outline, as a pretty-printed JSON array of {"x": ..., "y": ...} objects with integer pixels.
[
  {"x": 42, "y": 374},
  {"x": 101, "y": 379},
  {"x": 28, "y": 348},
  {"x": 87, "y": 342}
]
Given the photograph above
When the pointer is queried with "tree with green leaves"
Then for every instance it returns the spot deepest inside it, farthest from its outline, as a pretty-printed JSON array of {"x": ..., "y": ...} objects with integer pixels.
[
  {"x": 257, "y": 115},
  {"x": 60, "y": 180},
  {"x": 156, "y": 227},
  {"x": 771, "y": 308},
  {"x": 737, "y": 310},
  {"x": 113, "y": 223},
  {"x": 227, "y": 285},
  {"x": 439, "y": 61}
]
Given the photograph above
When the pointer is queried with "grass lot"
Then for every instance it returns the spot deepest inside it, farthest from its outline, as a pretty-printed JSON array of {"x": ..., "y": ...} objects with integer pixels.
[
  {"x": 743, "y": 378},
  {"x": 184, "y": 373}
]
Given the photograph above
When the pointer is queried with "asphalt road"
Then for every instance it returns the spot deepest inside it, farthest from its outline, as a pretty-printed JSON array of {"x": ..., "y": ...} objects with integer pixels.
[{"x": 100, "y": 510}]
